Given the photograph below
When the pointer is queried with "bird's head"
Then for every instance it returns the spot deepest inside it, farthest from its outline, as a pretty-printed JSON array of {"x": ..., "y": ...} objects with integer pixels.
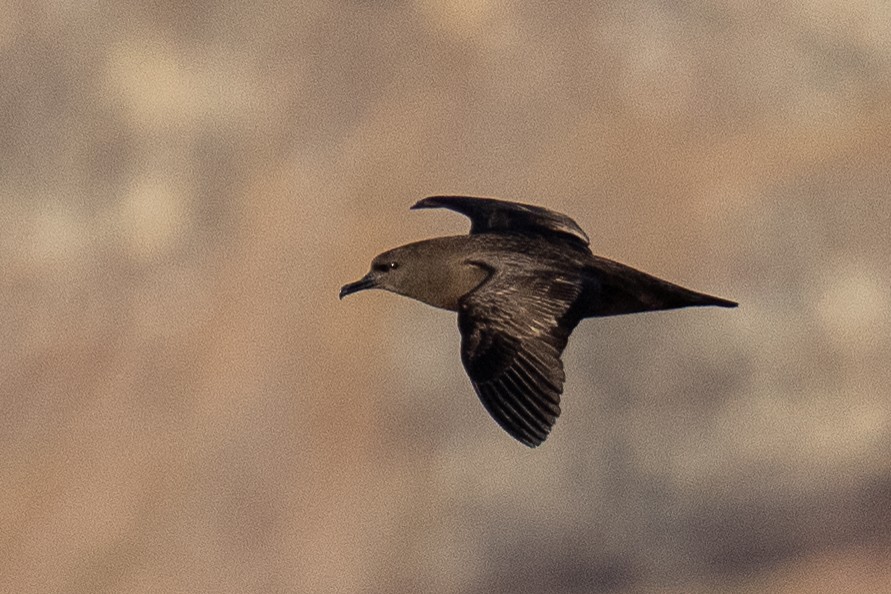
[
  {"x": 389, "y": 271},
  {"x": 427, "y": 271}
]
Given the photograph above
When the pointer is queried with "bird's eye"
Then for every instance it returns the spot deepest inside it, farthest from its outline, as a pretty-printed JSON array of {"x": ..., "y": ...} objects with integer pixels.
[
  {"x": 386, "y": 266},
  {"x": 393, "y": 265}
]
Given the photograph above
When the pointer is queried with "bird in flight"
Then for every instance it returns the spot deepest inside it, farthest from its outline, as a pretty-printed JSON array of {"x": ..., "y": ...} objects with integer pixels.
[{"x": 521, "y": 281}]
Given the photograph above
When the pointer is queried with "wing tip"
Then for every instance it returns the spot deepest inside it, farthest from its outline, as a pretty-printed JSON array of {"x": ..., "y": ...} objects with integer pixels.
[
  {"x": 446, "y": 201},
  {"x": 423, "y": 203}
]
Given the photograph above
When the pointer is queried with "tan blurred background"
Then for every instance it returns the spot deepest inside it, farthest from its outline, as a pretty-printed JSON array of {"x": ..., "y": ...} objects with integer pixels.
[{"x": 185, "y": 406}]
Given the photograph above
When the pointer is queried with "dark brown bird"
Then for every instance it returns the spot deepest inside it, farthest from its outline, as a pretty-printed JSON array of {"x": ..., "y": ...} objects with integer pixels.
[{"x": 520, "y": 281}]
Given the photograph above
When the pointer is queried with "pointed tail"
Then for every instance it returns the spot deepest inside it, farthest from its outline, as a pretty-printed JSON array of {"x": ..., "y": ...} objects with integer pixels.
[{"x": 614, "y": 289}]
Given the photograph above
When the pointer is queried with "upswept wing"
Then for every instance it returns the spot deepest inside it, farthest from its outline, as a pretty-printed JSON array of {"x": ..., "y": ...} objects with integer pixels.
[{"x": 488, "y": 215}]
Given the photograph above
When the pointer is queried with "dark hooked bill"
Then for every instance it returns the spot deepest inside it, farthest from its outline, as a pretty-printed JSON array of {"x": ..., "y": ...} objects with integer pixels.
[{"x": 366, "y": 282}]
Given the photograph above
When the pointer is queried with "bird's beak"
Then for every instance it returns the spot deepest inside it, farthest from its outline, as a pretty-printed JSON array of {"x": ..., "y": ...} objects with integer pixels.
[{"x": 366, "y": 282}]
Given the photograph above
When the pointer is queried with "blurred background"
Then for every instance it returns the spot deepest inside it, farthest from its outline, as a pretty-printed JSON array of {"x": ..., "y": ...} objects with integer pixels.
[{"x": 185, "y": 406}]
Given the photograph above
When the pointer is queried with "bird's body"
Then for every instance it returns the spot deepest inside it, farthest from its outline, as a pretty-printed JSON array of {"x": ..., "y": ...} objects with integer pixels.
[{"x": 520, "y": 281}]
